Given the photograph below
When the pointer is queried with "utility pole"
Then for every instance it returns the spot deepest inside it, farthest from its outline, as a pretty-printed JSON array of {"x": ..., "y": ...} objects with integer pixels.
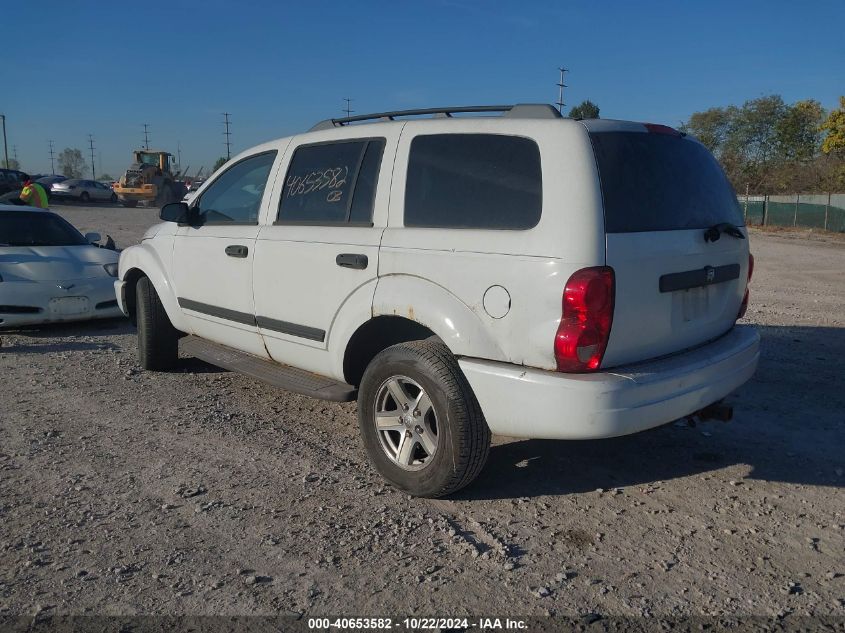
[
  {"x": 228, "y": 135},
  {"x": 52, "y": 158},
  {"x": 91, "y": 145},
  {"x": 5, "y": 146},
  {"x": 347, "y": 109},
  {"x": 179, "y": 155},
  {"x": 561, "y": 86},
  {"x": 15, "y": 153},
  {"x": 146, "y": 135}
]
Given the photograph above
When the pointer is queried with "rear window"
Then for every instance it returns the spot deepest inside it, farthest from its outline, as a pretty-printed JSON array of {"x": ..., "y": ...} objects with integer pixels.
[
  {"x": 661, "y": 182},
  {"x": 478, "y": 181}
]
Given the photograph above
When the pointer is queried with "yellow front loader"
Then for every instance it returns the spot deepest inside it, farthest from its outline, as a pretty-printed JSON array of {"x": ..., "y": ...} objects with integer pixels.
[{"x": 149, "y": 180}]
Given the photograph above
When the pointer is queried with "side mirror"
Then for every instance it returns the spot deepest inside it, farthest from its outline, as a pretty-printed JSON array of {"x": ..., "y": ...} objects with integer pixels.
[
  {"x": 93, "y": 237},
  {"x": 178, "y": 212}
]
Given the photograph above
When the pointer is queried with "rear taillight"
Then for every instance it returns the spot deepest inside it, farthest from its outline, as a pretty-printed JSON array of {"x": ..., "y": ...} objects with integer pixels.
[
  {"x": 744, "y": 305},
  {"x": 584, "y": 328}
]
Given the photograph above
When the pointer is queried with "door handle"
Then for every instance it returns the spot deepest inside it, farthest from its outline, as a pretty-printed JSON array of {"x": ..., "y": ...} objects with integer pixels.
[
  {"x": 237, "y": 250},
  {"x": 352, "y": 260}
]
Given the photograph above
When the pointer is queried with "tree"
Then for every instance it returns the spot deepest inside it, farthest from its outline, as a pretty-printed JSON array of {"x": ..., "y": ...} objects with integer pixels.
[
  {"x": 712, "y": 127},
  {"x": 798, "y": 130},
  {"x": 106, "y": 177},
  {"x": 834, "y": 141},
  {"x": 753, "y": 131},
  {"x": 585, "y": 110},
  {"x": 71, "y": 163},
  {"x": 768, "y": 146},
  {"x": 14, "y": 164},
  {"x": 218, "y": 164}
]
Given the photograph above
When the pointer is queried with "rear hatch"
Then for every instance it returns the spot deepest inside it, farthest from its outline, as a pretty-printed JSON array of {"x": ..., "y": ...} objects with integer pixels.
[{"x": 662, "y": 191}]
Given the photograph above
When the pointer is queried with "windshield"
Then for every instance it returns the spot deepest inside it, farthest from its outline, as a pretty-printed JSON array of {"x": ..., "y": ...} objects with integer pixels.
[
  {"x": 149, "y": 159},
  {"x": 658, "y": 182},
  {"x": 26, "y": 228}
]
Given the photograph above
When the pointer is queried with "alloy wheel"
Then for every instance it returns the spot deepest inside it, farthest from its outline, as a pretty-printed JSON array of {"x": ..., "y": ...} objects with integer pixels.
[{"x": 406, "y": 423}]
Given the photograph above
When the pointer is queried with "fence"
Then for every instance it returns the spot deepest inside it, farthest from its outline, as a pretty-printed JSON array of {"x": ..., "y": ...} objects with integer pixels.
[{"x": 810, "y": 210}]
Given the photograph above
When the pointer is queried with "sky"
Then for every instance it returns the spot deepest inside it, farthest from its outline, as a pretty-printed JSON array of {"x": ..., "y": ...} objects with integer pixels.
[{"x": 76, "y": 67}]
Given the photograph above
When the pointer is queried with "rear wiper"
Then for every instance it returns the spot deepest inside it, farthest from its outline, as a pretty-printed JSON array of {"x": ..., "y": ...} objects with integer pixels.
[{"x": 715, "y": 232}]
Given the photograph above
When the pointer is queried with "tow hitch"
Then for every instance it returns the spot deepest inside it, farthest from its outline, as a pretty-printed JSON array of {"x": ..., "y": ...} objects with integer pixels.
[{"x": 716, "y": 411}]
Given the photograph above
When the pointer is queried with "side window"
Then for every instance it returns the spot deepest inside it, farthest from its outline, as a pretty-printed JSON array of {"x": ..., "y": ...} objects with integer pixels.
[
  {"x": 477, "y": 181},
  {"x": 332, "y": 183},
  {"x": 236, "y": 195}
]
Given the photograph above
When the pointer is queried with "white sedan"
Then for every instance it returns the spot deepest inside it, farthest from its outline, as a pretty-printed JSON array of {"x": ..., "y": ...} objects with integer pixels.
[{"x": 50, "y": 272}]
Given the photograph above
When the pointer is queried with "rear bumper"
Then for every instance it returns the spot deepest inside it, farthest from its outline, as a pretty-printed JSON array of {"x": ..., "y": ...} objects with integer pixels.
[{"x": 523, "y": 402}]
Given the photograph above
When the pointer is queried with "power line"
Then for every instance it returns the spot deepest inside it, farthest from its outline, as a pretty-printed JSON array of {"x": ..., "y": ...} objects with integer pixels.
[
  {"x": 52, "y": 158},
  {"x": 561, "y": 86},
  {"x": 146, "y": 135},
  {"x": 91, "y": 145},
  {"x": 347, "y": 109},
  {"x": 228, "y": 135}
]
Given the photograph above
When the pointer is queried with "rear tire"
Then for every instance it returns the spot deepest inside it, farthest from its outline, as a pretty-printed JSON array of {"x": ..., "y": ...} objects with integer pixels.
[
  {"x": 424, "y": 371},
  {"x": 158, "y": 340},
  {"x": 84, "y": 197},
  {"x": 130, "y": 203},
  {"x": 113, "y": 198}
]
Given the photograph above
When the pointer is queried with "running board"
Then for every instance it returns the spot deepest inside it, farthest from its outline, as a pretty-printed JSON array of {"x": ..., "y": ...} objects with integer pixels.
[{"x": 276, "y": 374}]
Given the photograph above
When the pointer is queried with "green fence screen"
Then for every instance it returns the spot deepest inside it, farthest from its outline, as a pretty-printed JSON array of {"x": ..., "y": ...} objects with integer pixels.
[{"x": 808, "y": 210}]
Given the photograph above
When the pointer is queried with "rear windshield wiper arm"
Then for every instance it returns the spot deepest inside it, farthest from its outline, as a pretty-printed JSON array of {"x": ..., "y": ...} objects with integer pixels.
[{"x": 715, "y": 232}]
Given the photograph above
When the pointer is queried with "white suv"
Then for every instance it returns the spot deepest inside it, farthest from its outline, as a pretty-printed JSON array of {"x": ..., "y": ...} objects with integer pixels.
[{"x": 522, "y": 274}]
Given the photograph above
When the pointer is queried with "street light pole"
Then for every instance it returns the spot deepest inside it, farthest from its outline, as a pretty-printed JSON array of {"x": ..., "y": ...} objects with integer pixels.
[{"x": 5, "y": 146}]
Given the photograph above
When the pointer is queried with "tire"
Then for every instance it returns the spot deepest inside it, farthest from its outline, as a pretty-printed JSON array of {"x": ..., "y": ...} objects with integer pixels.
[
  {"x": 461, "y": 439},
  {"x": 130, "y": 203},
  {"x": 158, "y": 340},
  {"x": 84, "y": 197},
  {"x": 113, "y": 198}
]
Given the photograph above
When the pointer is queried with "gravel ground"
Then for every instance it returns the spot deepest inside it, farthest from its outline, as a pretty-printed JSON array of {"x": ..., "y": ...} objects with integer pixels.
[{"x": 203, "y": 492}]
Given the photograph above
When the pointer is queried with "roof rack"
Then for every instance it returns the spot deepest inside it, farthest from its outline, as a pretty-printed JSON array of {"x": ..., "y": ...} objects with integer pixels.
[{"x": 519, "y": 111}]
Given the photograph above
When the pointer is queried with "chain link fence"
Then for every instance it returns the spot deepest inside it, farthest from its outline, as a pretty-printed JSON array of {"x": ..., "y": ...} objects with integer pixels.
[{"x": 808, "y": 210}]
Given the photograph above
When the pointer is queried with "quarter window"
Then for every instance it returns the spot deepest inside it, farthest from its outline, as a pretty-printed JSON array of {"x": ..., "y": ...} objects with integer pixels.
[
  {"x": 479, "y": 181},
  {"x": 235, "y": 197},
  {"x": 332, "y": 183}
]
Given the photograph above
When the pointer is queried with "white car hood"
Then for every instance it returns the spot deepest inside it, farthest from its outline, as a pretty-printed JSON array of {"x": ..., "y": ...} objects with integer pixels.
[{"x": 54, "y": 263}]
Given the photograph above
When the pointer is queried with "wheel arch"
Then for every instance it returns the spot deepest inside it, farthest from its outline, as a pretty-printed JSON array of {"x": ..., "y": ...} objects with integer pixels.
[
  {"x": 376, "y": 335},
  {"x": 141, "y": 261},
  {"x": 433, "y": 312},
  {"x": 457, "y": 324}
]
